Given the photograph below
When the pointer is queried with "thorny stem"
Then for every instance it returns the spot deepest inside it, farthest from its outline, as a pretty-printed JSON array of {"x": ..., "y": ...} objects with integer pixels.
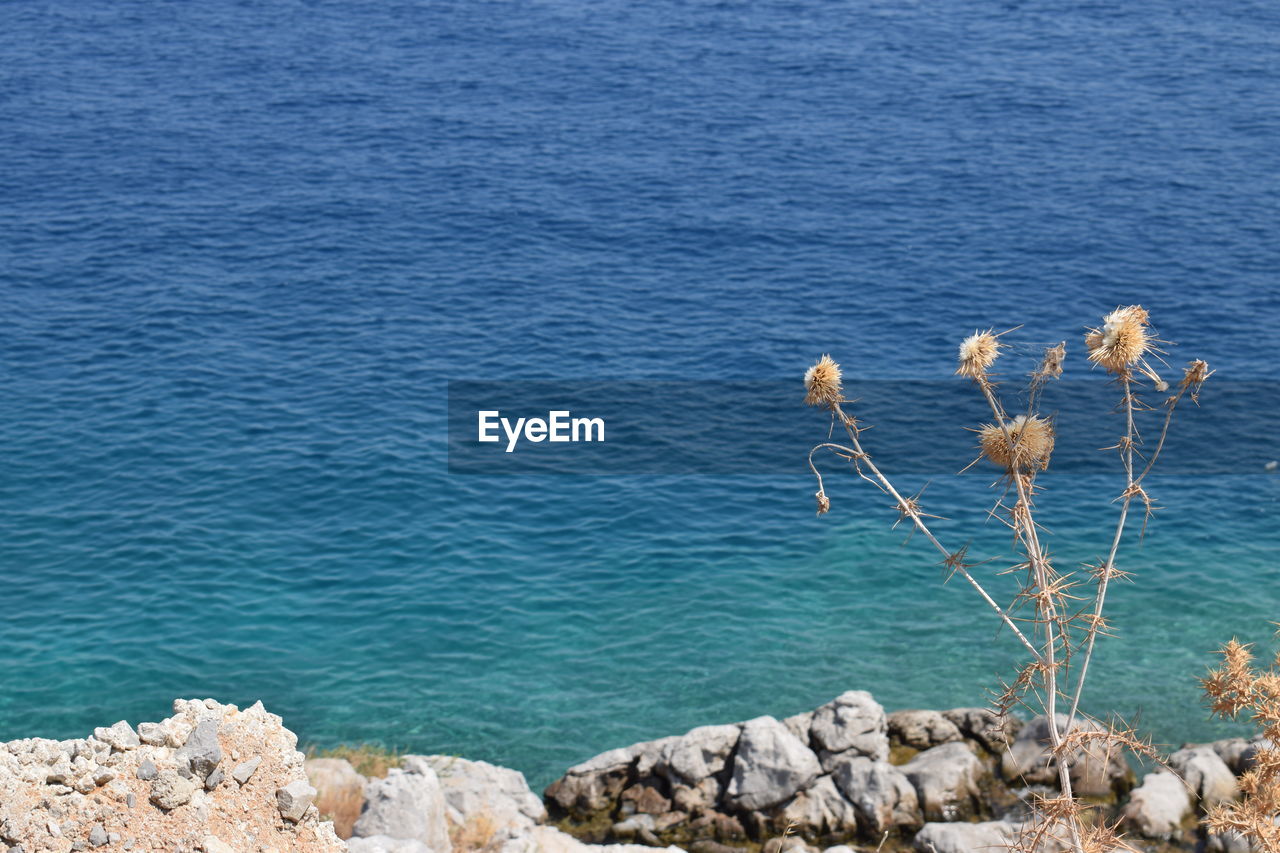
[
  {"x": 1025, "y": 526},
  {"x": 862, "y": 458},
  {"x": 1109, "y": 565},
  {"x": 1130, "y": 491}
]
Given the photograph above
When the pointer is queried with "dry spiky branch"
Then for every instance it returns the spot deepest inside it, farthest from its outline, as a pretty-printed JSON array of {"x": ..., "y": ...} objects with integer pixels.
[
  {"x": 1021, "y": 446},
  {"x": 1233, "y": 688}
]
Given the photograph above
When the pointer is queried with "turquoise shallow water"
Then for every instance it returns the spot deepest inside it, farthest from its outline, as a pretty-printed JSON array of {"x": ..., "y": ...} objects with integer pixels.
[{"x": 244, "y": 248}]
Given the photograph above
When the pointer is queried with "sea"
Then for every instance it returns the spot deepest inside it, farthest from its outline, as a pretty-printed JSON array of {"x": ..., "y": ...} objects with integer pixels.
[{"x": 247, "y": 248}]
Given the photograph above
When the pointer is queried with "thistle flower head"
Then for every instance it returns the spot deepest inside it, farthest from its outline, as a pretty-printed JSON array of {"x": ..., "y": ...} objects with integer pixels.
[
  {"x": 1028, "y": 445},
  {"x": 1194, "y": 375},
  {"x": 822, "y": 383},
  {"x": 824, "y": 502},
  {"x": 977, "y": 353},
  {"x": 1122, "y": 341}
]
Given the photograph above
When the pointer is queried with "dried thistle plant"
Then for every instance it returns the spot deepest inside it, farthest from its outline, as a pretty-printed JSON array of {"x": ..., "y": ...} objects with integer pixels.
[
  {"x": 1024, "y": 443},
  {"x": 1058, "y": 635},
  {"x": 1236, "y": 687},
  {"x": 977, "y": 353},
  {"x": 822, "y": 383}
]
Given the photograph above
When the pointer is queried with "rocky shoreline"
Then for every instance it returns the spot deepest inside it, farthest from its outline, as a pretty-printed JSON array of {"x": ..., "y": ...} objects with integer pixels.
[{"x": 843, "y": 777}]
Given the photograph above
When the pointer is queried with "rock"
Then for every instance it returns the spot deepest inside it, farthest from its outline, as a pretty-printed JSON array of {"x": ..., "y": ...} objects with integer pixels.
[
  {"x": 720, "y": 826},
  {"x": 633, "y": 825},
  {"x": 701, "y": 797},
  {"x": 996, "y": 835},
  {"x": 771, "y": 765},
  {"x": 293, "y": 800},
  {"x": 994, "y": 731},
  {"x": 152, "y": 733},
  {"x": 786, "y": 844},
  {"x": 921, "y": 729},
  {"x": 1206, "y": 773},
  {"x": 386, "y": 844},
  {"x": 244, "y": 770},
  {"x": 112, "y": 792},
  {"x": 595, "y": 784},
  {"x": 881, "y": 794},
  {"x": 406, "y": 805},
  {"x": 820, "y": 810},
  {"x": 169, "y": 790},
  {"x": 1257, "y": 744},
  {"x": 548, "y": 839},
  {"x": 1228, "y": 842},
  {"x": 201, "y": 752},
  {"x": 1232, "y": 752},
  {"x": 475, "y": 788},
  {"x": 644, "y": 799},
  {"x": 839, "y": 848},
  {"x": 214, "y": 844},
  {"x": 714, "y": 847},
  {"x": 946, "y": 779},
  {"x": 1158, "y": 807},
  {"x": 799, "y": 726},
  {"x": 120, "y": 736},
  {"x": 1095, "y": 770},
  {"x": 699, "y": 753},
  {"x": 852, "y": 722},
  {"x": 214, "y": 780}
]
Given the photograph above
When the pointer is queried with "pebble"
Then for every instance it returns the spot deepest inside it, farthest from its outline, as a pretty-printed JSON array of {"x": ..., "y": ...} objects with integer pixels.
[
  {"x": 202, "y": 752},
  {"x": 245, "y": 769},
  {"x": 293, "y": 800}
]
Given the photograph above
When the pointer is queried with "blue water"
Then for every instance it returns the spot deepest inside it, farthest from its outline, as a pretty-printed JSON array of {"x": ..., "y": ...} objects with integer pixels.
[{"x": 245, "y": 245}]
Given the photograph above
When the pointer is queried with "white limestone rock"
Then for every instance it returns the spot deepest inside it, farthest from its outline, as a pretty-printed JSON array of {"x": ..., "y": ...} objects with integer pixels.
[{"x": 771, "y": 766}]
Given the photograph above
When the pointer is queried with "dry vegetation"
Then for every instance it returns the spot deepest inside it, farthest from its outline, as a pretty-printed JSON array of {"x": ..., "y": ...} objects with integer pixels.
[
  {"x": 479, "y": 834},
  {"x": 1056, "y": 617},
  {"x": 371, "y": 760},
  {"x": 1236, "y": 687},
  {"x": 342, "y": 807}
]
